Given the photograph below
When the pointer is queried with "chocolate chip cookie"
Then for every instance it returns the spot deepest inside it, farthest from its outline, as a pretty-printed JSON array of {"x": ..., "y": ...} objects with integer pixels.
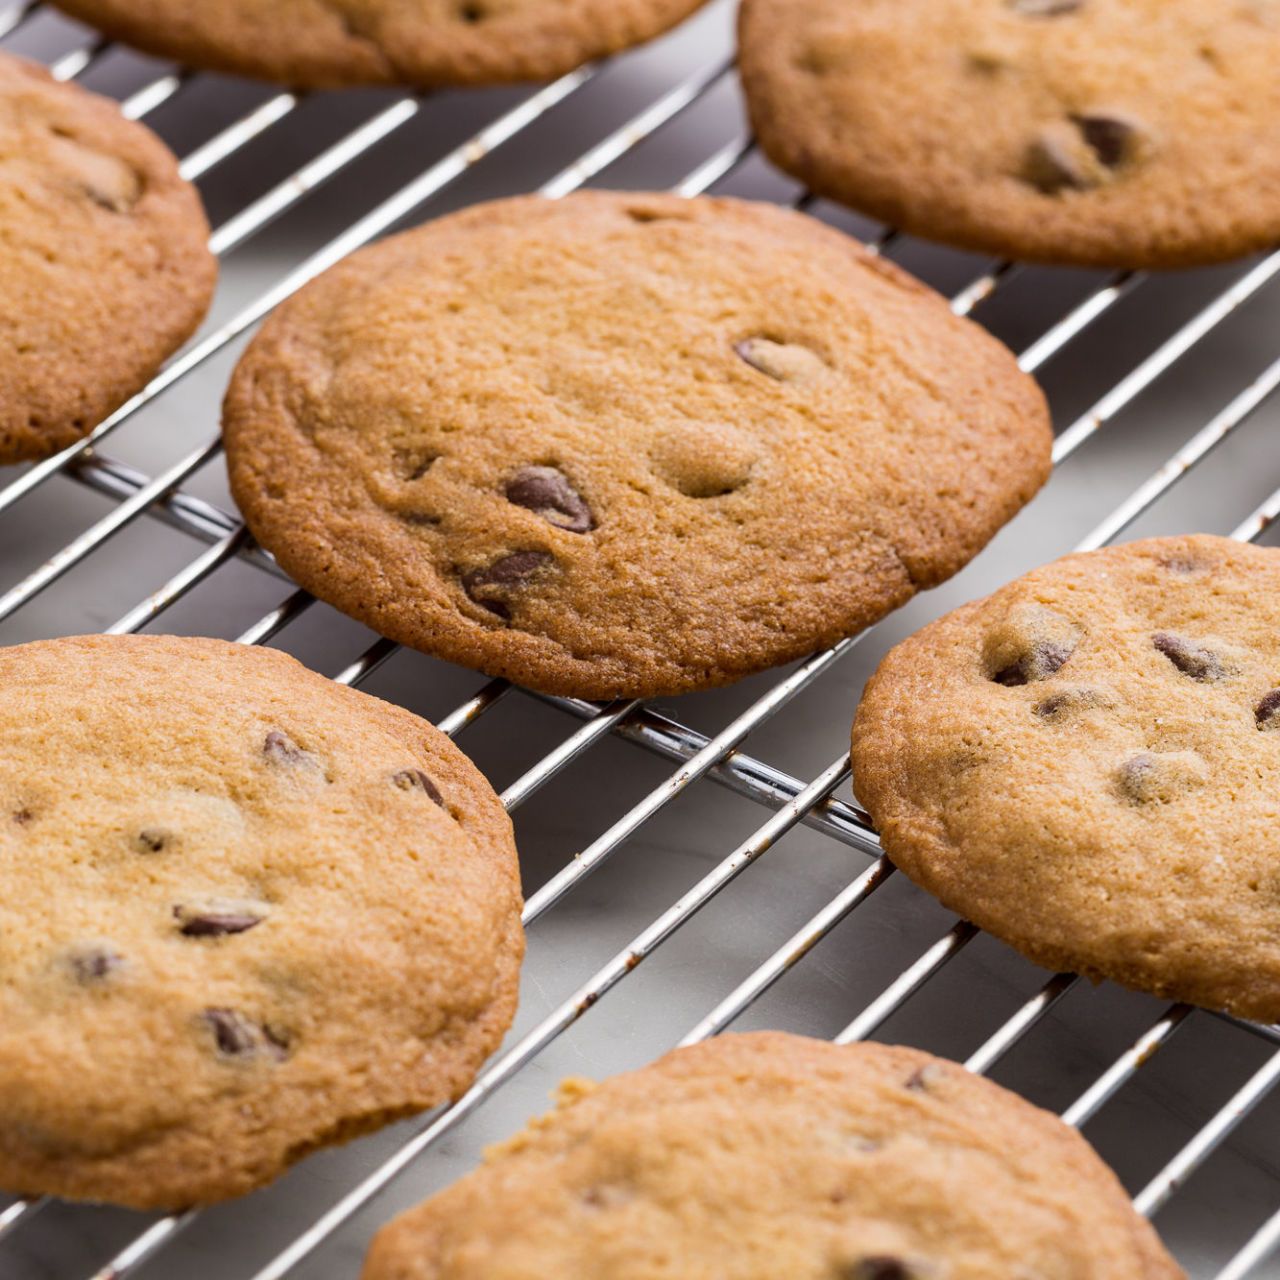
[
  {"x": 754, "y": 1157},
  {"x": 1086, "y": 764},
  {"x": 104, "y": 265},
  {"x": 1130, "y": 133},
  {"x": 329, "y": 43},
  {"x": 246, "y": 913},
  {"x": 622, "y": 444}
]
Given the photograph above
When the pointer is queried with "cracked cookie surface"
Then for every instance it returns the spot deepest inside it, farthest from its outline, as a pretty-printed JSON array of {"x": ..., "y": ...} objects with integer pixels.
[
  {"x": 104, "y": 265},
  {"x": 330, "y": 43},
  {"x": 1129, "y": 133},
  {"x": 752, "y": 1157},
  {"x": 1112, "y": 812},
  {"x": 247, "y": 913},
  {"x": 622, "y": 445}
]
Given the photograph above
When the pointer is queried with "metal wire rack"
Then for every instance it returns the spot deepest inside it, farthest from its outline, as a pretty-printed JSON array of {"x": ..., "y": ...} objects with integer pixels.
[{"x": 1225, "y": 1107}]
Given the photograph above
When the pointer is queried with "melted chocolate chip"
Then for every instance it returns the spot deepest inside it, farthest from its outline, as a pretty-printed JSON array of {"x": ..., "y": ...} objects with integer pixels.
[
  {"x": 216, "y": 922},
  {"x": 1111, "y": 137},
  {"x": 92, "y": 964},
  {"x": 1052, "y": 166},
  {"x": 880, "y": 1266},
  {"x": 232, "y": 1031},
  {"x": 1059, "y": 705},
  {"x": 23, "y": 816},
  {"x": 925, "y": 1078},
  {"x": 1038, "y": 663},
  {"x": 547, "y": 493},
  {"x": 487, "y": 586},
  {"x": 781, "y": 361},
  {"x": 1267, "y": 713},
  {"x": 277, "y": 1040},
  {"x": 1184, "y": 564},
  {"x": 151, "y": 840},
  {"x": 416, "y": 780},
  {"x": 1135, "y": 777},
  {"x": 1160, "y": 776},
  {"x": 1191, "y": 659},
  {"x": 1045, "y": 8}
]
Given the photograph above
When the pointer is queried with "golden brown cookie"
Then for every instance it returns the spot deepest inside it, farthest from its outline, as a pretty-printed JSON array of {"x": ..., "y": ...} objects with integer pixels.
[
  {"x": 623, "y": 445},
  {"x": 104, "y": 265},
  {"x": 1131, "y": 133},
  {"x": 1087, "y": 762},
  {"x": 757, "y": 1157},
  {"x": 330, "y": 43},
  {"x": 247, "y": 912}
]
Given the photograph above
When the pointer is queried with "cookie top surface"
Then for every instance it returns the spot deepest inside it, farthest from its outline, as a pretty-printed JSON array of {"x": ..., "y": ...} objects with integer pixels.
[
  {"x": 1087, "y": 762},
  {"x": 236, "y": 923},
  {"x": 104, "y": 265},
  {"x": 617, "y": 444},
  {"x": 1141, "y": 133},
  {"x": 330, "y": 43},
  {"x": 758, "y": 1156}
]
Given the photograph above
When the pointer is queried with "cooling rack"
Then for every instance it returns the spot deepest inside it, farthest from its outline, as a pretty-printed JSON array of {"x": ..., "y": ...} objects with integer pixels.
[{"x": 633, "y": 866}]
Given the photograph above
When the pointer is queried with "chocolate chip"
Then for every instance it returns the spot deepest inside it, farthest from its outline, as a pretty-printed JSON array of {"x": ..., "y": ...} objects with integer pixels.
[
  {"x": 1053, "y": 164},
  {"x": 1082, "y": 151},
  {"x": 23, "y": 816},
  {"x": 607, "y": 1196},
  {"x": 282, "y": 749},
  {"x": 1045, "y": 8},
  {"x": 416, "y": 780},
  {"x": 925, "y": 1078},
  {"x": 216, "y": 921},
  {"x": 1160, "y": 776},
  {"x": 782, "y": 361},
  {"x": 1059, "y": 705},
  {"x": 1134, "y": 776},
  {"x": 487, "y": 586},
  {"x": 1267, "y": 713},
  {"x": 1038, "y": 663},
  {"x": 92, "y": 964},
  {"x": 105, "y": 180},
  {"x": 151, "y": 840},
  {"x": 1112, "y": 137},
  {"x": 1184, "y": 564},
  {"x": 1191, "y": 659},
  {"x": 880, "y": 1266},
  {"x": 232, "y": 1032},
  {"x": 547, "y": 493},
  {"x": 278, "y": 1041}
]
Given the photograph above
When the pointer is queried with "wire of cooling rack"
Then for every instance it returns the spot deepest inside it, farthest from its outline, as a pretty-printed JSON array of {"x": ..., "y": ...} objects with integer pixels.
[{"x": 718, "y": 757}]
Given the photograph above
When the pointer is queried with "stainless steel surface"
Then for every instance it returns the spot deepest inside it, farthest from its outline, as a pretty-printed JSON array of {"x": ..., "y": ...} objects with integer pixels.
[{"x": 664, "y": 904}]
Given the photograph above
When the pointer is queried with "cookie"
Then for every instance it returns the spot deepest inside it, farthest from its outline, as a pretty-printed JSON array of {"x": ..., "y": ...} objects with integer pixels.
[
  {"x": 754, "y": 1157},
  {"x": 104, "y": 264},
  {"x": 621, "y": 444},
  {"x": 1122, "y": 133},
  {"x": 247, "y": 913},
  {"x": 1086, "y": 764},
  {"x": 320, "y": 44}
]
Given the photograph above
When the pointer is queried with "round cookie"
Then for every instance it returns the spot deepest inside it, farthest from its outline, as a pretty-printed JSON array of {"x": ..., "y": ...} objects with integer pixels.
[
  {"x": 1129, "y": 133},
  {"x": 247, "y": 913},
  {"x": 754, "y": 1157},
  {"x": 319, "y": 44},
  {"x": 624, "y": 445},
  {"x": 104, "y": 264},
  {"x": 1087, "y": 765}
]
